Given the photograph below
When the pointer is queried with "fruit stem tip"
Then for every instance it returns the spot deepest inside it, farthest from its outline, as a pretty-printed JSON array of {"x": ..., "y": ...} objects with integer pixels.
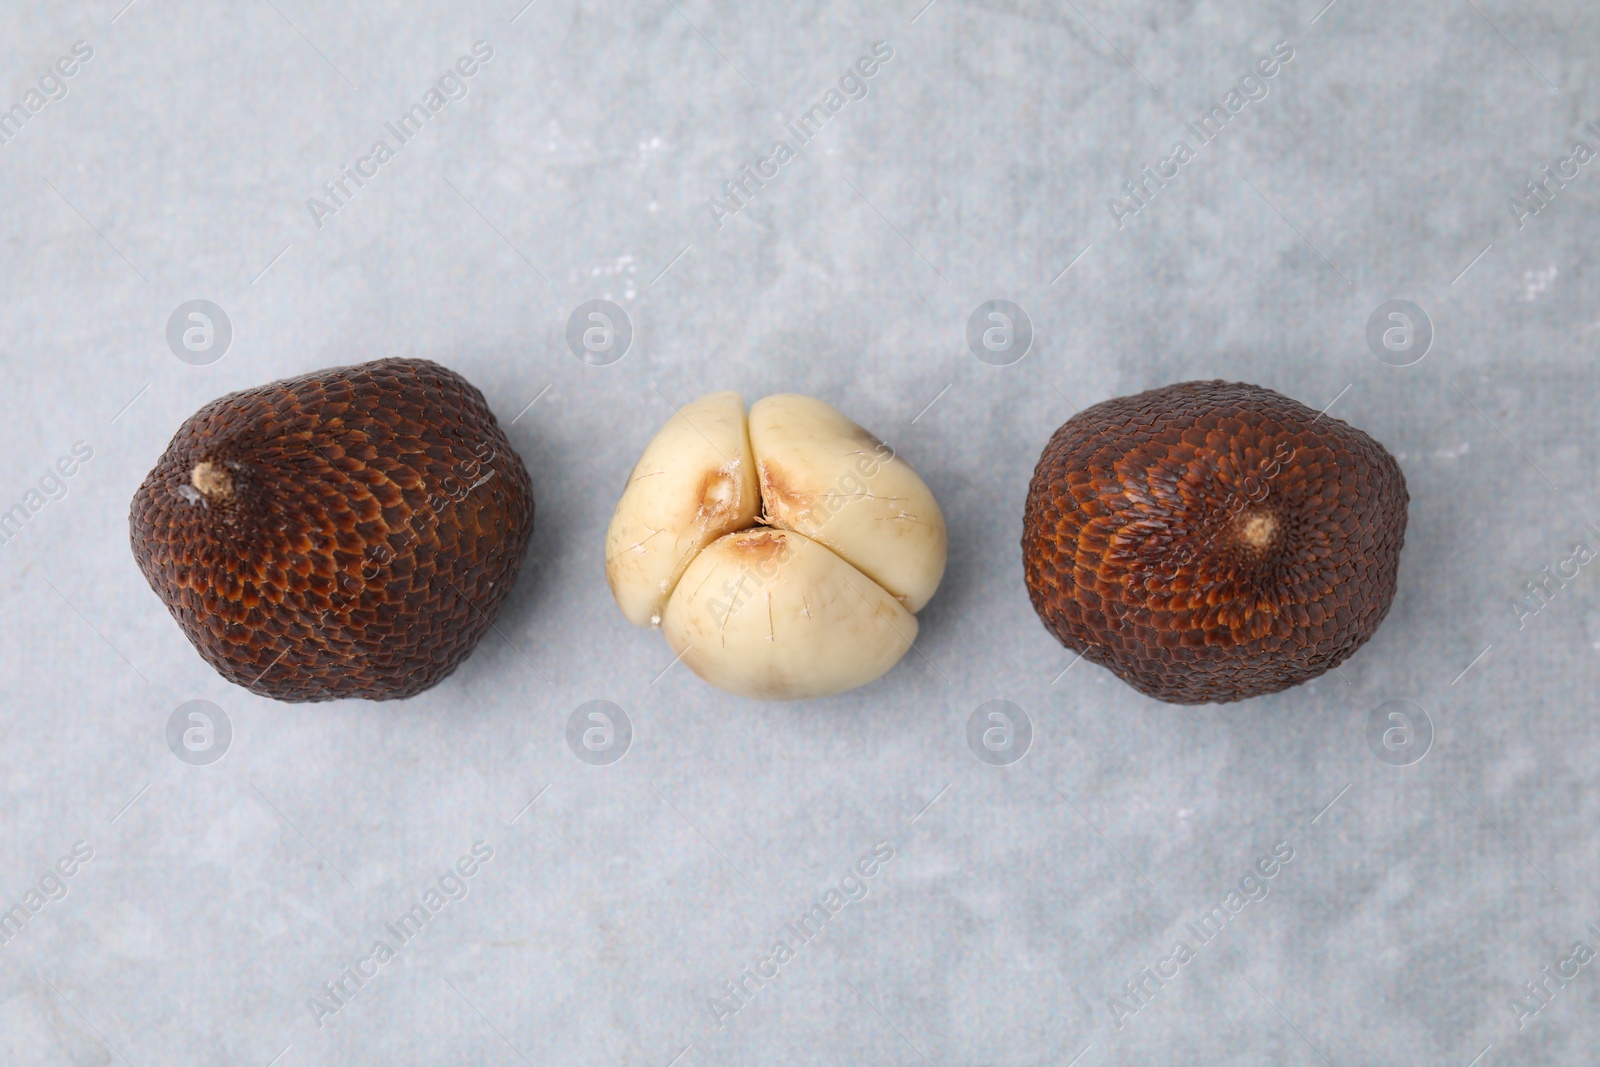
[
  {"x": 212, "y": 480},
  {"x": 1257, "y": 530}
]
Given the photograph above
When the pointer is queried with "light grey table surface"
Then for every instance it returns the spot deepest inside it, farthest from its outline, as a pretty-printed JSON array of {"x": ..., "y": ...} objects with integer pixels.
[{"x": 1381, "y": 164}]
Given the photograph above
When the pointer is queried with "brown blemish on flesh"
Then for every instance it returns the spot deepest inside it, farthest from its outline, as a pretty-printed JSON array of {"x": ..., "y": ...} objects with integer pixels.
[
  {"x": 757, "y": 544},
  {"x": 780, "y": 502},
  {"x": 719, "y": 497},
  {"x": 866, "y": 438}
]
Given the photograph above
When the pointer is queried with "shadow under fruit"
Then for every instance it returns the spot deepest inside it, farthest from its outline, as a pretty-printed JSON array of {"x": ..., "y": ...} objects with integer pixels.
[
  {"x": 349, "y": 533},
  {"x": 1211, "y": 541}
]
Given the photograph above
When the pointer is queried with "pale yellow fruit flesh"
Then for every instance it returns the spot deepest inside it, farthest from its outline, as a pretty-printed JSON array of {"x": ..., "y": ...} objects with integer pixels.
[
  {"x": 773, "y": 615},
  {"x": 827, "y": 478},
  {"x": 695, "y": 482}
]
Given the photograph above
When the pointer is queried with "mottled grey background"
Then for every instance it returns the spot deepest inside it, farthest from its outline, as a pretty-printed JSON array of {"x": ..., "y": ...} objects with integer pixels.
[{"x": 220, "y": 898}]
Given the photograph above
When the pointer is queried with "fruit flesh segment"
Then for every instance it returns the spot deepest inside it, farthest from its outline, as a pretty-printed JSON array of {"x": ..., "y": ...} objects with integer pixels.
[
  {"x": 826, "y": 477},
  {"x": 694, "y": 483},
  {"x": 773, "y": 615}
]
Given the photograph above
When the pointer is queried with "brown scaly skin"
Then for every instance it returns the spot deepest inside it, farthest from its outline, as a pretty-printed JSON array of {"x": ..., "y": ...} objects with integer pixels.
[
  {"x": 1212, "y": 541},
  {"x": 349, "y": 533}
]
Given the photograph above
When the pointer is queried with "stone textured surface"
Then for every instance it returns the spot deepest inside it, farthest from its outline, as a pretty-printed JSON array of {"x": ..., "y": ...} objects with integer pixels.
[
  {"x": 1138, "y": 548},
  {"x": 372, "y": 522}
]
